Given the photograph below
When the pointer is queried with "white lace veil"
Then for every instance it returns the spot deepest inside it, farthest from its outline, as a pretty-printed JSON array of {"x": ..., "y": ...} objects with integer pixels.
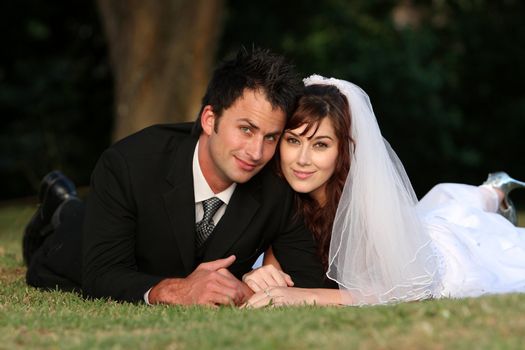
[{"x": 379, "y": 250}]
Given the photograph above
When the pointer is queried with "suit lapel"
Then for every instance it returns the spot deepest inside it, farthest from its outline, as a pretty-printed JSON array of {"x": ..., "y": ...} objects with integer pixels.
[
  {"x": 241, "y": 210},
  {"x": 180, "y": 203}
]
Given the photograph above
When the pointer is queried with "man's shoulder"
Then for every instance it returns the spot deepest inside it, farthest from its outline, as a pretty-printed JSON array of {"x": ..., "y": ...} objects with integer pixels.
[{"x": 160, "y": 138}]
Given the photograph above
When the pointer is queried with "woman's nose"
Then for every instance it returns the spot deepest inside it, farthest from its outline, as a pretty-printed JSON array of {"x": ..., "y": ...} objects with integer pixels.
[{"x": 303, "y": 156}]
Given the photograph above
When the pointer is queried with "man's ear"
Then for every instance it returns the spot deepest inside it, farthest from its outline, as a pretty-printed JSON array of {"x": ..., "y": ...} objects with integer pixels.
[{"x": 207, "y": 120}]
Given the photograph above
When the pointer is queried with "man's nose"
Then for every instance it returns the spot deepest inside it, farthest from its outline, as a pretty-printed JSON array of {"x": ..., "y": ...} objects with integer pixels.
[{"x": 255, "y": 149}]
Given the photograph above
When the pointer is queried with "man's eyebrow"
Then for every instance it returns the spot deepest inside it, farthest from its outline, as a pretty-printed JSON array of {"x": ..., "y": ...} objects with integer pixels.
[{"x": 253, "y": 126}]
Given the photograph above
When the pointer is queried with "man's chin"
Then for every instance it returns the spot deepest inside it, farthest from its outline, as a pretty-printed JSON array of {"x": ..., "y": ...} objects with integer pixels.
[{"x": 245, "y": 176}]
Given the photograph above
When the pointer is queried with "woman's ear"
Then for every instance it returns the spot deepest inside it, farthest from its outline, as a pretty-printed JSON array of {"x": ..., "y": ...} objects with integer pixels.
[{"x": 208, "y": 120}]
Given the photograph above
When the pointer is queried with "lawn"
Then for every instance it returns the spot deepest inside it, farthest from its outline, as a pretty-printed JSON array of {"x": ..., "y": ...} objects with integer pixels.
[{"x": 33, "y": 319}]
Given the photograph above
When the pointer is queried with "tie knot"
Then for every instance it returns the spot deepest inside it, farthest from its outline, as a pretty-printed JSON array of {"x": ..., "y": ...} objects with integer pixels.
[{"x": 210, "y": 207}]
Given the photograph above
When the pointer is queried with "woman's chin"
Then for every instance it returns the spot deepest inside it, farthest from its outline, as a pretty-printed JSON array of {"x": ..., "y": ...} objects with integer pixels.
[{"x": 300, "y": 189}]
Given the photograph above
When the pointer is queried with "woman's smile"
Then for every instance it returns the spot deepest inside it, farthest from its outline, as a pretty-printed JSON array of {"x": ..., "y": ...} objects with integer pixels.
[{"x": 303, "y": 175}]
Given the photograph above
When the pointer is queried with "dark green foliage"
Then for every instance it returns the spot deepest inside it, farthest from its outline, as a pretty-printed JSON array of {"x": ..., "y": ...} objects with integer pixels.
[
  {"x": 55, "y": 92},
  {"x": 447, "y": 92}
]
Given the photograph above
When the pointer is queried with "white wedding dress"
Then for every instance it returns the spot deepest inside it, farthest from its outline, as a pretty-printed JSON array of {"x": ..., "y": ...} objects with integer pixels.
[
  {"x": 478, "y": 251},
  {"x": 387, "y": 247}
]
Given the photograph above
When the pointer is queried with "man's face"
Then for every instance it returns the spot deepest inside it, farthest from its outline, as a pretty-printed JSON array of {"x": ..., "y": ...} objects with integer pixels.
[{"x": 238, "y": 145}]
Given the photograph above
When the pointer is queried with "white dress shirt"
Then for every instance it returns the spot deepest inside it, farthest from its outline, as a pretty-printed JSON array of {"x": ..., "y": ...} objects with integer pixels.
[{"x": 202, "y": 191}]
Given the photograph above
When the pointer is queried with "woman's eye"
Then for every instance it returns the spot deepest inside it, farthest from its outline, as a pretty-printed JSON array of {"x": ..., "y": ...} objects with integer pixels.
[
  {"x": 292, "y": 140},
  {"x": 321, "y": 145}
]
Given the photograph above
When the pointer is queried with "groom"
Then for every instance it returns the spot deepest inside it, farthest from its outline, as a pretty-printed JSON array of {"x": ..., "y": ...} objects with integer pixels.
[{"x": 178, "y": 213}]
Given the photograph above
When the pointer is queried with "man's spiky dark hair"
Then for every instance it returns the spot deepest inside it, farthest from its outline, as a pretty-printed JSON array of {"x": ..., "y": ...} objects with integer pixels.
[{"x": 256, "y": 69}]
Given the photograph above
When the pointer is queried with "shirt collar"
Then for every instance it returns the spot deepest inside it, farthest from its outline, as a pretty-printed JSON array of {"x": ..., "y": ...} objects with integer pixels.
[{"x": 202, "y": 190}]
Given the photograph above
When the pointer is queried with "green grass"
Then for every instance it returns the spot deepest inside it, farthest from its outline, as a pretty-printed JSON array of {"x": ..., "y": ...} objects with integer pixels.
[{"x": 33, "y": 319}]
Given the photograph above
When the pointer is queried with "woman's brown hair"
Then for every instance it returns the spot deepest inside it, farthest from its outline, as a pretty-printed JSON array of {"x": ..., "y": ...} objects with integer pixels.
[{"x": 317, "y": 103}]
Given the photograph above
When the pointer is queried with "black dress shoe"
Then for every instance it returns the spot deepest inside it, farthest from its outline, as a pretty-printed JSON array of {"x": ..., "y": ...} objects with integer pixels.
[{"x": 55, "y": 188}]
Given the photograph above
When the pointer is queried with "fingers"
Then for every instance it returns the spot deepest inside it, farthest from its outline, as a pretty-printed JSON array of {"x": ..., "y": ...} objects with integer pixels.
[
  {"x": 267, "y": 297},
  {"x": 272, "y": 277},
  {"x": 235, "y": 296},
  {"x": 225, "y": 281},
  {"x": 221, "y": 299},
  {"x": 258, "y": 300},
  {"x": 259, "y": 280},
  {"x": 253, "y": 285},
  {"x": 214, "y": 300},
  {"x": 265, "y": 277},
  {"x": 235, "y": 292},
  {"x": 215, "y": 293},
  {"x": 246, "y": 291},
  {"x": 221, "y": 287},
  {"x": 226, "y": 278},
  {"x": 276, "y": 277},
  {"x": 226, "y": 273},
  {"x": 281, "y": 279},
  {"x": 287, "y": 279},
  {"x": 217, "y": 264},
  {"x": 221, "y": 275}
]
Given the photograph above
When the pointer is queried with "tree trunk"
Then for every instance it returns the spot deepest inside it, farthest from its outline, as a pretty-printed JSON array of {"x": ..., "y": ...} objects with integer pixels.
[{"x": 161, "y": 54}]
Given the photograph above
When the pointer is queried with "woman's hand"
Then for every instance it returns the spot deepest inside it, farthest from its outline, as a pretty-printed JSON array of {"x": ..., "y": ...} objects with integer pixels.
[
  {"x": 267, "y": 276},
  {"x": 281, "y": 296}
]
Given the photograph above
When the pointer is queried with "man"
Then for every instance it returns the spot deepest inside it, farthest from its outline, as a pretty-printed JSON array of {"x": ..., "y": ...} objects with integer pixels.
[{"x": 178, "y": 213}]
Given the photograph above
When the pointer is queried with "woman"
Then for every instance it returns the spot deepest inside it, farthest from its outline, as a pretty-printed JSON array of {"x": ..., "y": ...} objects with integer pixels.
[{"x": 375, "y": 240}]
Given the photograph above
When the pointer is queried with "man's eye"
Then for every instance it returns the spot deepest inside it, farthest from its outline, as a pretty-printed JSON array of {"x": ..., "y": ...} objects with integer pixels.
[
  {"x": 245, "y": 129},
  {"x": 271, "y": 138}
]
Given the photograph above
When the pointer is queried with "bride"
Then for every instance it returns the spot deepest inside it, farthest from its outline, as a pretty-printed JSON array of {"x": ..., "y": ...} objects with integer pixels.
[{"x": 377, "y": 243}]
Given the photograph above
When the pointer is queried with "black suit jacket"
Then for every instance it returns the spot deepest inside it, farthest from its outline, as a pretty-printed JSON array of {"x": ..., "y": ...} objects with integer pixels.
[{"x": 140, "y": 219}]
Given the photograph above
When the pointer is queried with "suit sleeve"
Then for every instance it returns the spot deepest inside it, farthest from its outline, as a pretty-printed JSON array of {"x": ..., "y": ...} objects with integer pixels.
[
  {"x": 109, "y": 266},
  {"x": 295, "y": 249}
]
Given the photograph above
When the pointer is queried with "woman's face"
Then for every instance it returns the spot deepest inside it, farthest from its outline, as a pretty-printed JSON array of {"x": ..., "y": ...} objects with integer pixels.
[{"x": 308, "y": 161}]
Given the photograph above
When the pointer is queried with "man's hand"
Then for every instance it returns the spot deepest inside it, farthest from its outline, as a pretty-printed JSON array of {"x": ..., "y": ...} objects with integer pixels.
[
  {"x": 246, "y": 290},
  {"x": 267, "y": 276},
  {"x": 210, "y": 284}
]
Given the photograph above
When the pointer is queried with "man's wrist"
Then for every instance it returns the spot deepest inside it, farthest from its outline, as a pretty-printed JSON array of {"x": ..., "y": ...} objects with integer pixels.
[{"x": 164, "y": 292}]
